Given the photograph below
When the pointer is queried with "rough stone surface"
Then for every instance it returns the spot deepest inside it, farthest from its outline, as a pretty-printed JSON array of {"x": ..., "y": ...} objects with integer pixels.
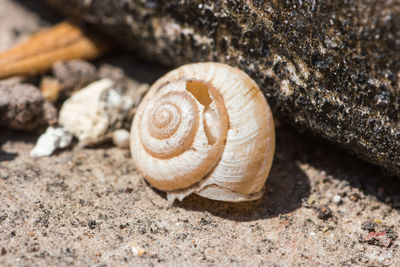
[
  {"x": 73, "y": 75},
  {"x": 23, "y": 107},
  {"x": 329, "y": 66}
]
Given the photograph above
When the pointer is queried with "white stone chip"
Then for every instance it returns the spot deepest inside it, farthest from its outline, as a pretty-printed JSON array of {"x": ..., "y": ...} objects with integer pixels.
[
  {"x": 96, "y": 111},
  {"x": 51, "y": 140}
]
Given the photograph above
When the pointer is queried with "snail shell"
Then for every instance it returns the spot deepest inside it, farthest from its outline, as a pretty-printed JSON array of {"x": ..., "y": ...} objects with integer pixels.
[{"x": 204, "y": 128}]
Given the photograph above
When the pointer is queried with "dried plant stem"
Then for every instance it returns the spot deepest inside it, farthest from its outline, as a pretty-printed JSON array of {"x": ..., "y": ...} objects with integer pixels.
[{"x": 64, "y": 41}]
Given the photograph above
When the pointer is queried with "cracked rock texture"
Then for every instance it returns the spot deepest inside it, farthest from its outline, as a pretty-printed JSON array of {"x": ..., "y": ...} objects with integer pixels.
[{"x": 332, "y": 67}]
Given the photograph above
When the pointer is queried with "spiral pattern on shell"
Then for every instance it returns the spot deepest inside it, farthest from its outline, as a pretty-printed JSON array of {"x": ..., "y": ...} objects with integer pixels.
[
  {"x": 169, "y": 129},
  {"x": 204, "y": 128}
]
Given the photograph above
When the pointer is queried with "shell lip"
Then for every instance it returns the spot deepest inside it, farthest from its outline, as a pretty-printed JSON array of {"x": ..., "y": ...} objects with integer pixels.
[
  {"x": 214, "y": 192},
  {"x": 222, "y": 194}
]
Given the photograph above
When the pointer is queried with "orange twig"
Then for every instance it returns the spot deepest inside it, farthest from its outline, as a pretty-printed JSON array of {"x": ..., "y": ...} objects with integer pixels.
[{"x": 64, "y": 41}]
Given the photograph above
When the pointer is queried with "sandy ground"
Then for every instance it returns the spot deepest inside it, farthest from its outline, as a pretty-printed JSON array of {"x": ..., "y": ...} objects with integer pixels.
[{"x": 90, "y": 207}]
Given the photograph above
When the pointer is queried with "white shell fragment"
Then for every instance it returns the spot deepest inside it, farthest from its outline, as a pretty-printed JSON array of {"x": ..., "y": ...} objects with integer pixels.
[
  {"x": 51, "y": 140},
  {"x": 121, "y": 138},
  {"x": 96, "y": 111},
  {"x": 204, "y": 128}
]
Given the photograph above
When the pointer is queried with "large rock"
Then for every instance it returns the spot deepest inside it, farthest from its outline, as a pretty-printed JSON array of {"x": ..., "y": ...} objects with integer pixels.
[{"x": 329, "y": 66}]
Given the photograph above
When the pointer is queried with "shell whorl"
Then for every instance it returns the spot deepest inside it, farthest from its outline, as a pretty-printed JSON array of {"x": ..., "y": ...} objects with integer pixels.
[
  {"x": 169, "y": 127},
  {"x": 204, "y": 128},
  {"x": 173, "y": 138}
]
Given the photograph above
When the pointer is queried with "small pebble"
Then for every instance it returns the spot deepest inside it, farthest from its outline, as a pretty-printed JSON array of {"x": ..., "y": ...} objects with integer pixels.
[
  {"x": 324, "y": 213},
  {"x": 23, "y": 107},
  {"x": 73, "y": 75},
  {"x": 121, "y": 138},
  {"x": 337, "y": 199},
  {"x": 137, "y": 251},
  {"x": 369, "y": 226},
  {"x": 50, "y": 88}
]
